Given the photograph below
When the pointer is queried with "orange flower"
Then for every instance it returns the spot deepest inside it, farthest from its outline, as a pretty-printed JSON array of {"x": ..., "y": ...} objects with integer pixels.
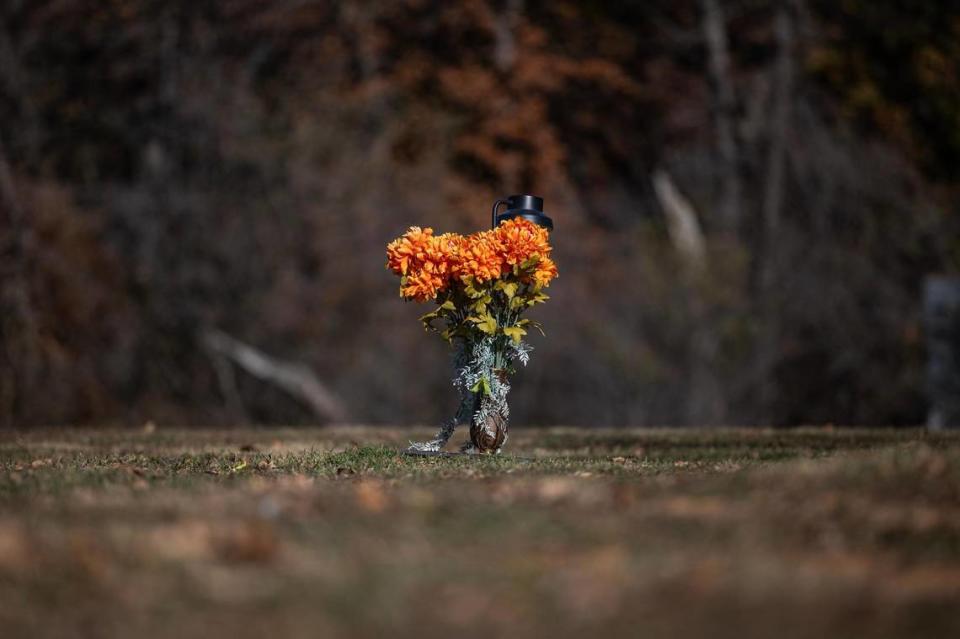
[
  {"x": 546, "y": 271},
  {"x": 409, "y": 250},
  {"x": 422, "y": 286},
  {"x": 449, "y": 247},
  {"x": 522, "y": 239},
  {"x": 429, "y": 264},
  {"x": 480, "y": 257},
  {"x": 425, "y": 261}
]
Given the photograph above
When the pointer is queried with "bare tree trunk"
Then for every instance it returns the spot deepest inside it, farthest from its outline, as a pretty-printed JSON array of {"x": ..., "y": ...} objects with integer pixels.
[
  {"x": 19, "y": 327},
  {"x": 19, "y": 344},
  {"x": 784, "y": 72},
  {"x": 713, "y": 25},
  {"x": 941, "y": 318},
  {"x": 13, "y": 83},
  {"x": 682, "y": 223},
  {"x": 505, "y": 46},
  {"x": 780, "y": 118},
  {"x": 705, "y": 402}
]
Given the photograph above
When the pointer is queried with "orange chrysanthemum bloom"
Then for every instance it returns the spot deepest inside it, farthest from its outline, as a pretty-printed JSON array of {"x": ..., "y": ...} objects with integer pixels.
[
  {"x": 546, "y": 271},
  {"x": 429, "y": 264},
  {"x": 409, "y": 250},
  {"x": 480, "y": 257},
  {"x": 522, "y": 239},
  {"x": 422, "y": 286},
  {"x": 450, "y": 246},
  {"x": 424, "y": 260}
]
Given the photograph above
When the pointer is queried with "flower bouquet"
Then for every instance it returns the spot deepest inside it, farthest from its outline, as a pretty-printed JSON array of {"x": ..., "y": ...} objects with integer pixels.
[{"x": 481, "y": 285}]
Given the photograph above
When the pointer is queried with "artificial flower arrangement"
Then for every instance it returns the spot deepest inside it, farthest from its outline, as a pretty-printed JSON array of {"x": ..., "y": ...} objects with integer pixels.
[{"x": 481, "y": 283}]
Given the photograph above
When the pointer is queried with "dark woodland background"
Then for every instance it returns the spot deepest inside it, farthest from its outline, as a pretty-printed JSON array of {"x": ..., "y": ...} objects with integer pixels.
[{"x": 747, "y": 197}]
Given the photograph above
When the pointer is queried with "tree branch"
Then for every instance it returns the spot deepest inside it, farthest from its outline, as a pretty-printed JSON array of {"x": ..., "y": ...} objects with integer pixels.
[{"x": 296, "y": 379}]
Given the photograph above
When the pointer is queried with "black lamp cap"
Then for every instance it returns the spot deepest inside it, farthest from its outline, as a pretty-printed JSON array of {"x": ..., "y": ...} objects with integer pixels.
[{"x": 529, "y": 207}]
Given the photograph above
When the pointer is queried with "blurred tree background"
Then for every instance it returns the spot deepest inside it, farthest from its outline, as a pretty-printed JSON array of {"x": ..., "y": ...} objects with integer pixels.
[{"x": 748, "y": 194}]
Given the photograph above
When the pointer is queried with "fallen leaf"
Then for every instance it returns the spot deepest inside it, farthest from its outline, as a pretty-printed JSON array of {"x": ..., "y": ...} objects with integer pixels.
[{"x": 371, "y": 496}]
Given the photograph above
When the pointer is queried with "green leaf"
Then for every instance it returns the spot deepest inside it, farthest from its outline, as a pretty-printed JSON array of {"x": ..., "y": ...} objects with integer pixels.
[
  {"x": 480, "y": 306},
  {"x": 471, "y": 290},
  {"x": 537, "y": 325},
  {"x": 428, "y": 319},
  {"x": 449, "y": 306},
  {"x": 486, "y": 323},
  {"x": 515, "y": 333},
  {"x": 509, "y": 289},
  {"x": 482, "y": 386},
  {"x": 539, "y": 298},
  {"x": 530, "y": 262}
]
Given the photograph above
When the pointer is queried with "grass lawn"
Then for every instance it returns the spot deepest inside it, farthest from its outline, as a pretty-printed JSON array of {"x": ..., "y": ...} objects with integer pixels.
[{"x": 588, "y": 533}]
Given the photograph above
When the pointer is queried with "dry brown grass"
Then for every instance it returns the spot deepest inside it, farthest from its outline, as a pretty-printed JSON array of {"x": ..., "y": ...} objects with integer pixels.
[{"x": 332, "y": 533}]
